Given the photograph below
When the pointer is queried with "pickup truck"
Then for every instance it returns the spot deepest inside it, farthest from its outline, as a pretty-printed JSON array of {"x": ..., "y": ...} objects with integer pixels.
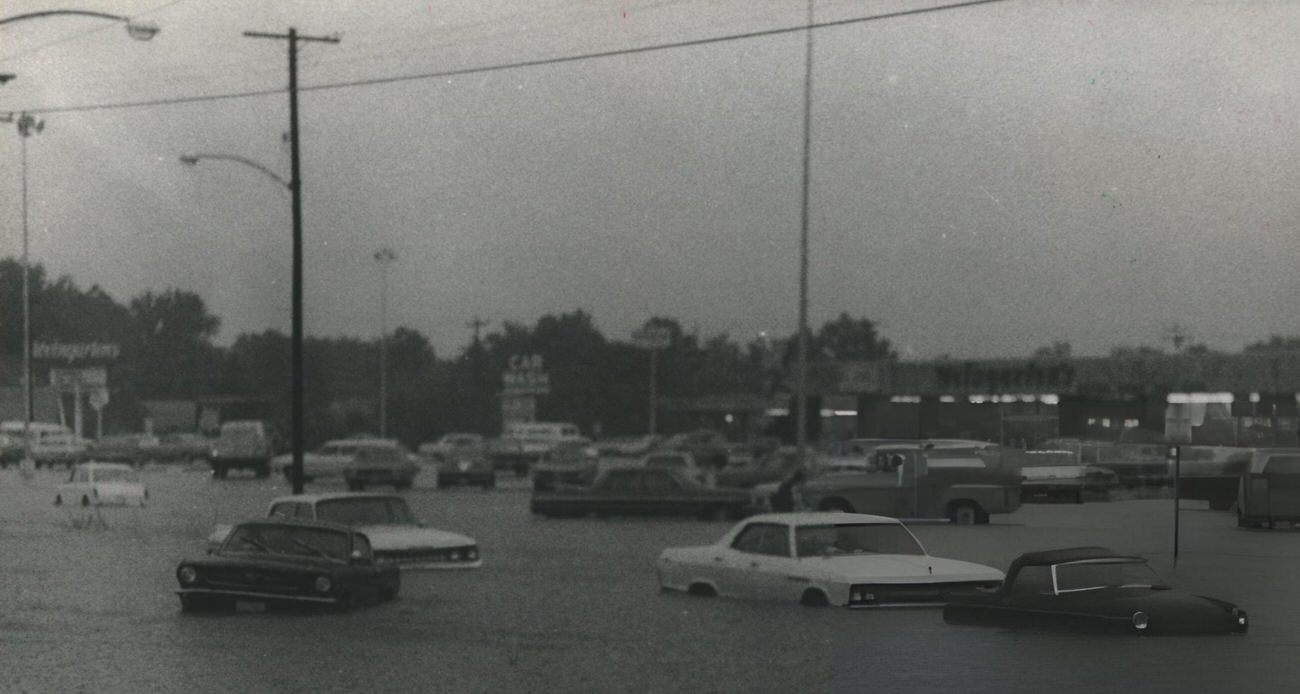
[{"x": 963, "y": 485}]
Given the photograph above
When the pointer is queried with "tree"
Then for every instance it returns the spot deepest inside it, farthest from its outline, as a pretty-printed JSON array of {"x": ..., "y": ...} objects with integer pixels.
[
  {"x": 169, "y": 348},
  {"x": 1275, "y": 343},
  {"x": 852, "y": 339}
]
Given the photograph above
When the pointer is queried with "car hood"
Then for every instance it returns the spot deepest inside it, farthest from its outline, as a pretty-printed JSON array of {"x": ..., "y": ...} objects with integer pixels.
[
  {"x": 898, "y": 568},
  {"x": 391, "y": 537}
]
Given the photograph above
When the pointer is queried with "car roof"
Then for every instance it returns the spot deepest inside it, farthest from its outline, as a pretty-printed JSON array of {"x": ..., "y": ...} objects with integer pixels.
[
  {"x": 1070, "y": 554},
  {"x": 822, "y": 518},
  {"x": 300, "y": 523},
  {"x": 330, "y": 496}
]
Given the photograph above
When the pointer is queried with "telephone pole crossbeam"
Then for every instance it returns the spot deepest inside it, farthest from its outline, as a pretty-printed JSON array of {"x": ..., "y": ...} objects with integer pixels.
[{"x": 295, "y": 188}]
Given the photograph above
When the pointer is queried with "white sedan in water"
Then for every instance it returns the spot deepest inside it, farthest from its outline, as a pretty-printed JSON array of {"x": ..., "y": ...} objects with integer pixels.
[
  {"x": 102, "y": 484},
  {"x": 844, "y": 559}
]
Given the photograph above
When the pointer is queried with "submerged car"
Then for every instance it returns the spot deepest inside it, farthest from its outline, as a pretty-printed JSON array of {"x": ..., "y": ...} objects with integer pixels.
[
  {"x": 844, "y": 559},
  {"x": 395, "y": 534},
  {"x": 388, "y": 464},
  {"x": 281, "y": 562},
  {"x": 102, "y": 484},
  {"x": 640, "y": 491},
  {"x": 1093, "y": 589}
]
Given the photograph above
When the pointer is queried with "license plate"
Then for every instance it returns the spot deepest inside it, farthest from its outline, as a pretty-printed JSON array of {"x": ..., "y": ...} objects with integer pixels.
[{"x": 249, "y": 606}]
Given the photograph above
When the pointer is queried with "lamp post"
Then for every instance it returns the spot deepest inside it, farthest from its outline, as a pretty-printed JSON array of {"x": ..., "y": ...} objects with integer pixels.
[
  {"x": 27, "y": 126},
  {"x": 385, "y": 258}
]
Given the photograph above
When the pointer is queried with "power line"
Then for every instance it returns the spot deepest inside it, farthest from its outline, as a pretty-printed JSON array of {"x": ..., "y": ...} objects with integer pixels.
[{"x": 540, "y": 62}]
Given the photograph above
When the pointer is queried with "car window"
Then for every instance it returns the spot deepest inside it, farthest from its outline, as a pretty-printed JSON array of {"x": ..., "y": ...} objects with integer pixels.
[
  {"x": 1032, "y": 580},
  {"x": 772, "y": 539},
  {"x": 283, "y": 509},
  {"x": 658, "y": 482},
  {"x": 302, "y": 509},
  {"x": 362, "y": 511},
  {"x": 1283, "y": 465},
  {"x": 82, "y": 475},
  {"x": 360, "y": 547}
]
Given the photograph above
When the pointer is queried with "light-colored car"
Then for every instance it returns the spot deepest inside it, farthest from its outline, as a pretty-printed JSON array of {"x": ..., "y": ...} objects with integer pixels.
[
  {"x": 396, "y": 535},
  {"x": 51, "y": 444},
  {"x": 842, "y": 559},
  {"x": 453, "y": 444},
  {"x": 102, "y": 484},
  {"x": 328, "y": 461}
]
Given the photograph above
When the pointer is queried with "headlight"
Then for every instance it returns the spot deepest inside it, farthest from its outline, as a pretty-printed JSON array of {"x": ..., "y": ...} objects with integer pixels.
[
  {"x": 187, "y": 575},
  {"x": 455, "y": 555},
  {"x": 1140, "y": 620},
  {"x": 323, "y": 584},
  {"x": 471, "y": 553},
  {"x": 1240, "y": 615}
]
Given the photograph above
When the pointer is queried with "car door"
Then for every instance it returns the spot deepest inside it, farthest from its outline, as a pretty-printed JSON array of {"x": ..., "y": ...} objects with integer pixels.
[{"x": 759, "y": 561}]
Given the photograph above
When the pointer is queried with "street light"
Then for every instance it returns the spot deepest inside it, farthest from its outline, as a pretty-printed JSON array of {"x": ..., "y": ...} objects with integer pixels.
[
  {"x": 27, "y": 126},
  {"x": 140, "y": 31},
  {"x": 385, "y": 258},
  {"x": 295, "y": 348}
]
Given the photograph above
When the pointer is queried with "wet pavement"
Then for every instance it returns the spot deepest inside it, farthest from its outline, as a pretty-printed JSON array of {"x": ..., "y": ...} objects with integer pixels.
[{"x": 572, "y": 605}]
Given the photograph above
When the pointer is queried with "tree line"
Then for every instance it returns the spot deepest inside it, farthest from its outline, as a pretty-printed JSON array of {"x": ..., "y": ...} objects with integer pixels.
[{"x": 168, "y": 352}]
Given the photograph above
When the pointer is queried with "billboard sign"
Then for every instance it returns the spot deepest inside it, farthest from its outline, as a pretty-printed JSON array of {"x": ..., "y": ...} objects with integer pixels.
[{"x": 652, "y": 338}]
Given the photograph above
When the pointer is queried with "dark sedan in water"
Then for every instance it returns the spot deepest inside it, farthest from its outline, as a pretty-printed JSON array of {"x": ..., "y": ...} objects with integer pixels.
[
  {"x": 274, "y": 562},
  {"x": 641, "y": 491},
  {"x": 1093, "y": 589}
]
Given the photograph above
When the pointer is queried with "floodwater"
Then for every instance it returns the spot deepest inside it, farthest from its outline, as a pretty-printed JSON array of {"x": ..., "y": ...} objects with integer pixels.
[{"x": 572, "y": 605}]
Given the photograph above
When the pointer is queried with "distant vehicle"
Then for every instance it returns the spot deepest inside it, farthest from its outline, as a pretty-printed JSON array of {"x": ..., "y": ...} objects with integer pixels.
[
  {"x": 1136, "y": 464},
  {"x": 396, "y": 535},
  {"x": 842, "y": 559},
  {"x": 523, "y": 444},
  {"x": 469, "y": 466},
  {"x": 641, "y": 491},
  {"x": 1269, "y": 490},
  {"x": 102, "y": 484},
  {"x": 709, "y": 447},
  {"x": 51, "y": 444},
  {"x": 328, "y": 461},
  {"x": 627, "y": 446},
  {"x": 243, "y": 445},
  {"x": 573, "y": 463},
  {"x": 1072, "y": 482},
  {"x": 279, "y": 562},
  {"x": 964, "y": 485},
  {"x": 388, "y": 464},
  {"x": 182, "y": 447},
  {"x": 1212, "y": 473},
  {"x": 451, "y": 444},
  {"x": 1093, "y": 589},
  {"x": 132, "y": 449},
  {"x": 679, "y": 460}
]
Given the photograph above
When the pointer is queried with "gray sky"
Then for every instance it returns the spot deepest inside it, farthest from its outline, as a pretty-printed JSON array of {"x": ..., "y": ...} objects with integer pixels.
[{"x": 985, "y": 180}]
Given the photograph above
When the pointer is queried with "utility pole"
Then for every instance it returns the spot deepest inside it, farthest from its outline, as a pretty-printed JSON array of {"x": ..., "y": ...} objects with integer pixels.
[
  {"x": 476, "y": 325},
  {"x": 295, "y": 187},
  {"x": 801, "y": 396}
]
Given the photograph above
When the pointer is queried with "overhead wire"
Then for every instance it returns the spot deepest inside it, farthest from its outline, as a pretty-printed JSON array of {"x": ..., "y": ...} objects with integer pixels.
[{"x": 539, "y": 62}]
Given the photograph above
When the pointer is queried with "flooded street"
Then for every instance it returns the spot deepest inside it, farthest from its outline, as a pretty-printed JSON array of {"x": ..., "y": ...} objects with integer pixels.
[{"x": 573, "y": 606}]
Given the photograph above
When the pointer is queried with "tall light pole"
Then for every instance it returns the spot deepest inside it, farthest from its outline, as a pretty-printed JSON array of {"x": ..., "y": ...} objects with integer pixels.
[
  {"x": 27, "y": 126},
  {"x": 801, "y": 384},
  {"x": 385, "y": 258}
]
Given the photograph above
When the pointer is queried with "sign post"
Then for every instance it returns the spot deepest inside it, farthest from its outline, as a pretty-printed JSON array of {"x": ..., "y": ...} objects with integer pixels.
[
  {"x": 652, "y": 339},
  {"x": 1178, "y": 430},
  {"x": 524, "y": 379}
]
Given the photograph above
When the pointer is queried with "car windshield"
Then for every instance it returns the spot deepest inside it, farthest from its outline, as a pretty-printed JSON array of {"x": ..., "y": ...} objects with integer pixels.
[
  {"x": 368, "y": 511},
  {"x": 856, "y": 538},
  {"x": 1094, "y": 575},
  {"x": 261, "y": 538},
  {"x": 378, "y": 454},
  {"x": 116, "y": 475}
]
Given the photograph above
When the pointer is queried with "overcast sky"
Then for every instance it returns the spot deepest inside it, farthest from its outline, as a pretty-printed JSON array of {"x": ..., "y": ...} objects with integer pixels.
[{"x": 984, "y": 180}]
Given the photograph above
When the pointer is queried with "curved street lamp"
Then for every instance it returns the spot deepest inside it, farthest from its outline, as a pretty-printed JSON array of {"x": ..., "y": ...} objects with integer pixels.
[
  {"x": 140, "y": 31},
  {"x": 193, "y": 160}
]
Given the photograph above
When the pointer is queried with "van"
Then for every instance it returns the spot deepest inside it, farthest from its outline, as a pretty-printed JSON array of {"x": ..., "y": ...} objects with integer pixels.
[
  {"x": 1269, "y": 490},
  {"x": 243, "y": 445},
  {"x": 51, "y": 444}
]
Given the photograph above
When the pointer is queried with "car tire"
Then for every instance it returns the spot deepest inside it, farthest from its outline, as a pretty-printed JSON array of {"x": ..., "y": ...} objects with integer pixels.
[
  {"x": 964, "y": 513},
  {"x": 814, "y": 598},
  {"x": 85, "y": 501}
]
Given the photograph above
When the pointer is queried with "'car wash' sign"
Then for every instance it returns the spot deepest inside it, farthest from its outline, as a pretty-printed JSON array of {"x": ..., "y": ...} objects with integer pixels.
[{"x": 525, "y": 375}]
